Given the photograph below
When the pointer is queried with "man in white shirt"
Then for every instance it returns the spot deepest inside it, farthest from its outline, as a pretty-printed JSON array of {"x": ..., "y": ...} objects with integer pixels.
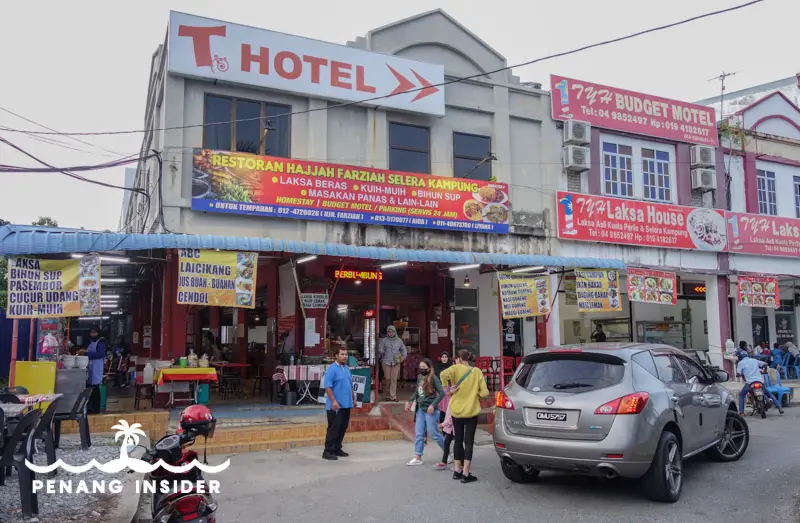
[{"x": 750, "y": 370}]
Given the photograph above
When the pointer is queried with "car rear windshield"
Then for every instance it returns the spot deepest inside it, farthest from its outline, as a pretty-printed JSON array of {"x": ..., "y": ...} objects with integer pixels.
[{"x": 581, "y": 372}]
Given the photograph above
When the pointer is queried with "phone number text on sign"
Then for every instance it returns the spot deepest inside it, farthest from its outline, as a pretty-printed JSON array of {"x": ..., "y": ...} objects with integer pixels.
[{"x": 622, "y": 110}]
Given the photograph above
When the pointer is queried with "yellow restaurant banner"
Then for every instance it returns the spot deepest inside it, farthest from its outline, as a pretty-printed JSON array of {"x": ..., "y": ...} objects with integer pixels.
[
  {"x": 522, "y": 297},
  {"x": 53, "y": 288},
  {"x": 217, "y": 278},
  {"x": 597, "y": 290}
]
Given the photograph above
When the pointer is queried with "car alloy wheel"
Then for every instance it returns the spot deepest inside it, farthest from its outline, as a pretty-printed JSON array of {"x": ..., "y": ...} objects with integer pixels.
[
  {"x": 733, "y": 438},
  {"x": 674, "y": 468}
]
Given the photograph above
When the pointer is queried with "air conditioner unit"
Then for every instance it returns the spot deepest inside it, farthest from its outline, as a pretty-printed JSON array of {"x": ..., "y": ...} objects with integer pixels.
[
  {"x": 576, "y": 159},
  {"x": 704, "y": 179},
  {"x": 577, "y": 133},
  {"x": 702, "y": 156}
]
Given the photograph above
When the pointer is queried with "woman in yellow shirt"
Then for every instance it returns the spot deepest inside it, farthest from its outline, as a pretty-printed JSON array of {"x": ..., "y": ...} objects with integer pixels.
[{"x": 467, "y": 387}]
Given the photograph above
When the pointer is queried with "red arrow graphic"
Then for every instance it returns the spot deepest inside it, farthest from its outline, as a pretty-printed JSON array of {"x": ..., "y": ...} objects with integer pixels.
[
  {"x": 428, "y": 90},
  {"x": 403, "y": 83}
]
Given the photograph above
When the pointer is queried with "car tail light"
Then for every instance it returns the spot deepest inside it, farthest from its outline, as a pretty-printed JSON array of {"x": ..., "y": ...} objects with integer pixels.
[
  {"x": 503, "y": 402},
  {"x": 756, "y": 385},
  {"x": 190, "y": 507},
  {"x": 630, "y": 404}
]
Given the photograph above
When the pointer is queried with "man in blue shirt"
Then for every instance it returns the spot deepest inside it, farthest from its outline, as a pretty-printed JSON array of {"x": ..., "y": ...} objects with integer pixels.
[
  {"x": 750, "y": 370},
  {"x": 338, "y": 384}
]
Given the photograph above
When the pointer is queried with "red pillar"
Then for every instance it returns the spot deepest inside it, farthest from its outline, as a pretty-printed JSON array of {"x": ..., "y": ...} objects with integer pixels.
[
  {"x": 173, "y": 316},
  {"x": 241, "y": 326}
]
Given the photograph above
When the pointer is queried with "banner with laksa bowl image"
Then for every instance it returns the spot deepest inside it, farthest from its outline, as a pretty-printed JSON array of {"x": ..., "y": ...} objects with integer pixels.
[{"x": 586, "y": 217}]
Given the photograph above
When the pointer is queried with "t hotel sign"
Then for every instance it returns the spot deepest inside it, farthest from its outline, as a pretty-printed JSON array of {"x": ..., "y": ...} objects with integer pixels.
[{"x": 214, "y": 50}]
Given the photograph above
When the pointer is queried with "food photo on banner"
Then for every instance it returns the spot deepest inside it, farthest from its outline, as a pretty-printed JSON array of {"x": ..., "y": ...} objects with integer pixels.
[
  {"x": 757, "y": 291},
  {"x": 217, "y": 278},
  {"x": 53, "y": 288},
  {"x": 649, "y": 286},
  {"x": 523, "y": 297},
  {"x": 585, "y": 217},
  {"x": 242, "y": 183},
  {"x": 597, "y": 290},
  {"x": 629, "y": 111}
]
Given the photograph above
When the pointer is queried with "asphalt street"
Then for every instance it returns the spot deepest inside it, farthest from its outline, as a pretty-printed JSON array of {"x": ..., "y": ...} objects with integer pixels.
[{"x": 374, "y": 484}]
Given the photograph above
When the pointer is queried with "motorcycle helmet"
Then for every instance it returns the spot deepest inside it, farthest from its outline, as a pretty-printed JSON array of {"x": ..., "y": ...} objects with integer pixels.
[
  {"x": 199, "y": 420},
  {"x": 742, "y": 354}
]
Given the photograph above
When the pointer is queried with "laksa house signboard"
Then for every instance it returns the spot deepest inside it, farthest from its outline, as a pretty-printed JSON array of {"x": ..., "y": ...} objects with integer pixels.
[
  {"x": 221, "y": 51},
  {"x": 285, "y": 188},
  {"x": 601, "y": 219}
]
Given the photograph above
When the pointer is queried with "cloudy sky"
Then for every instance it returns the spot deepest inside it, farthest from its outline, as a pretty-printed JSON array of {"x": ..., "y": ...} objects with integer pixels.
[{"x": 83, "y": 66}]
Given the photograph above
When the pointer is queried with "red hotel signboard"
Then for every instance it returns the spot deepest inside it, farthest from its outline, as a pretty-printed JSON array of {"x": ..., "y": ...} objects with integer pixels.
[
  {"x": 587, "y": 217},
  {"x": 766, "y": 235},
  {"x": 628, "y": 111}
]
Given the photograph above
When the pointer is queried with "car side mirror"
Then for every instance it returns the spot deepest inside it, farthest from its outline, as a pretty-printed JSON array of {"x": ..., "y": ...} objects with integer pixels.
[{"x": 721, "y": 376}]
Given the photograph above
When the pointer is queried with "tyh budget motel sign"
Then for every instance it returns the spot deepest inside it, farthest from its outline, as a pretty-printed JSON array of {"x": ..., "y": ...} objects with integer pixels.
[{"x": 221, "y": 51}]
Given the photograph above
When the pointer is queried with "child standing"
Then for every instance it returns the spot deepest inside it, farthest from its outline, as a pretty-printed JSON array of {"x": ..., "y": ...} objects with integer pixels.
[{"x": 447, "y": 429}]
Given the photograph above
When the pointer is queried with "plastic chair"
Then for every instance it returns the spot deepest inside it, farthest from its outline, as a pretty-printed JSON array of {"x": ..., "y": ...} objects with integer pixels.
[
  {"x": 784, "y": 365},
  {"x": 79, "y": 414},
  {"x": 44, "y": 432},
  {"x": 16, "y": 390},
  {"x": 795, "y": 367},
  {"x": 16, "y": 450},
  {"x": 508, "y": 368},
  {"x": 518, "y": 362},
  {"x": 778, "y": 390},
  {"x": 484, "y": 363}
]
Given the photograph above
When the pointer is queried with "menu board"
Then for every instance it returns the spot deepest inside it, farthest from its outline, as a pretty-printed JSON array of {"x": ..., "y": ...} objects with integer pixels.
[
  {"x": 217, "y": 278},
  {"x": 569, "y": 290},
  {"x": 522, "y": 297},
  {"x": 648, "y": 286},
  {"x": 314, "y": 301},
  {"x": 597, "y": 290},
  {"x": 757, "y": 291},
  {"x": 53, "y": 288}
]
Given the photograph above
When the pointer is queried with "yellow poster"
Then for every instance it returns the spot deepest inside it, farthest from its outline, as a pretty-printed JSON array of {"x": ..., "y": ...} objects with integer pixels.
[
  {"x": 217, "y": 278},
  {"x": 53, "y": 288},
  {"x": 522, "y": 297},
  {"x": 597, "y": 290}
]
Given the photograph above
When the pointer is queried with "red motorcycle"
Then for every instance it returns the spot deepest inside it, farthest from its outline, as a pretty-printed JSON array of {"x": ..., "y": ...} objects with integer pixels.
[{"x": 172, "y": 502}]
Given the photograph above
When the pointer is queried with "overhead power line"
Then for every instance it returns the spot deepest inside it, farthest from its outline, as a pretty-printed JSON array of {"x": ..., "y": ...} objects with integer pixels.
[{"x": 447, "y": 82}]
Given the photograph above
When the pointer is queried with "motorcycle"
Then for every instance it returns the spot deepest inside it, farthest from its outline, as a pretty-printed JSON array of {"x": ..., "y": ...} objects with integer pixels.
[
  {"x": 172, "y": 502},
  {"x": 761, "y": 404}
]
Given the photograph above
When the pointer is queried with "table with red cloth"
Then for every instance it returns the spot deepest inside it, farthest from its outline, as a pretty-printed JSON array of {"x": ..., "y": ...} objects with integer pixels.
[{"x": 194, "y": 374}]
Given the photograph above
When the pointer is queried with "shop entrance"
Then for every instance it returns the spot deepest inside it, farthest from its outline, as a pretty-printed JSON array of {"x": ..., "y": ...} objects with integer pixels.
[
  {"x": 760, "y": 329},
  {"x": 465, "y": 321}
]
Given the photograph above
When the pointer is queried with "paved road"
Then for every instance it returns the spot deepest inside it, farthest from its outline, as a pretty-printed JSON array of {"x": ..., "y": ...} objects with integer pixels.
[{"x": 375, "y": 485}]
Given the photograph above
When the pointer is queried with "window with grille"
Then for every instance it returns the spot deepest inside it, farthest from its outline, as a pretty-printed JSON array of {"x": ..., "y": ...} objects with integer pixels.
[
  {"x": 656, "y": 175},
  {"x": 617, "y": 170},
  {"x": 767, "y": 198}
]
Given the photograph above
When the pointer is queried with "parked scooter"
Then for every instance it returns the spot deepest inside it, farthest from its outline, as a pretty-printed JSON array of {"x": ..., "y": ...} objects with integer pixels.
[{"x": 194, "y": 505}]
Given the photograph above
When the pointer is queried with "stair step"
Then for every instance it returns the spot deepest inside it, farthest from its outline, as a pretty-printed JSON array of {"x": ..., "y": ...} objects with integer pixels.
[
  {"x": 259, "y": 445},
  {"x": 250, "y": 433}
]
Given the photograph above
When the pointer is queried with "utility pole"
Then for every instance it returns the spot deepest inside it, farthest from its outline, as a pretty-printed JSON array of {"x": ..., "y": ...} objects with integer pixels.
[{"x": 721, "y": 79}]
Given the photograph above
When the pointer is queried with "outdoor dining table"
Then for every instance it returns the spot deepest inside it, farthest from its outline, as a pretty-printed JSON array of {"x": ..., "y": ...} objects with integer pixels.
[
  {"x": 13, "y": 410},
  {"x": 195, "y": 374},
  {"x": 303, "y": 375},
  {"x": 36, "y": 399}
]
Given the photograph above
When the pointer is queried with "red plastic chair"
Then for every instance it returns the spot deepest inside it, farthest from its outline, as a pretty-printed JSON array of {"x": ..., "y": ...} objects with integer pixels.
[
  {"x": 518, "y": 362},
  {"x": 484, "y": 363},
  {"x": 508, "y": 368}
]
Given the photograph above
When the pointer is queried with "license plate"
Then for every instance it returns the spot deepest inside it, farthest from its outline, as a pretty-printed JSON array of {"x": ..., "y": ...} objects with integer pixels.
[
  {"x": 759, "y": 392},
  {"x": 551, "y": 416}
]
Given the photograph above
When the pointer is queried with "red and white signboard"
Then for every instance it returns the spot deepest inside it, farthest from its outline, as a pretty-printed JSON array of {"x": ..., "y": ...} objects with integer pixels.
[
  {"x": 621, "y": 110},
  {"x": 601, "y": 219},
  {"x": 211, "y": 49},
  {"x": 757, "y": 234}
]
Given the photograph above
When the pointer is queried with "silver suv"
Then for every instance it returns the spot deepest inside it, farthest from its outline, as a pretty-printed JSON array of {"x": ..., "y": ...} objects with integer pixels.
[{"x": 605, "y": 409}]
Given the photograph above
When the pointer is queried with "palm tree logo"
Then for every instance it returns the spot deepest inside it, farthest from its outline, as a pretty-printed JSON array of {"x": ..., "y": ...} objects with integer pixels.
[{"x": 129, "y": 435}]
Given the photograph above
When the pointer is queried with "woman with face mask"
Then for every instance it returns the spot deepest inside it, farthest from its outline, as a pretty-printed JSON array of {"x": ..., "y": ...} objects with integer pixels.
[
  {"x": 392, "y": 353},
  {"x": 425, "y": 402}
]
